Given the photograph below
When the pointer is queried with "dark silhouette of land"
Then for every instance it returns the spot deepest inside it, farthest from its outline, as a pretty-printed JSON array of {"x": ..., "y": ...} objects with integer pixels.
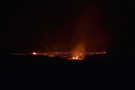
[{"x": 6, "y": 57}]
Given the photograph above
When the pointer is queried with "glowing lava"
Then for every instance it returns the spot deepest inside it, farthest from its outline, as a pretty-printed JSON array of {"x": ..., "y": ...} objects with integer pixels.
[
  {"x": 77, "y": 58},
  {"x": 79, "y": 52},
  {"x": 34, "y": 53}
]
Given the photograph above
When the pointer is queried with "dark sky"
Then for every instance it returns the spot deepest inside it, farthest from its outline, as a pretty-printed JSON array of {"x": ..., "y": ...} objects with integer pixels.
[{"x": 52, "y": 23}]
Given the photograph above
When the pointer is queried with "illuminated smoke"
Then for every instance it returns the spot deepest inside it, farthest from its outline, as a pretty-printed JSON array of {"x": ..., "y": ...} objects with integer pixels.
[{"x": 89, "y": 33}]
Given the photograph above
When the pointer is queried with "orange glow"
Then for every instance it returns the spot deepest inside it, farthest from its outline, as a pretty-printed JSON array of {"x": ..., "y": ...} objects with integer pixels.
[
  {"x": 77, "y": 58},
  {"x": 51, "y": 55},
  {"x": 79, "y": 52},
  {"x": 45, "y": 54},
  {"x": 34, "y": 53}
]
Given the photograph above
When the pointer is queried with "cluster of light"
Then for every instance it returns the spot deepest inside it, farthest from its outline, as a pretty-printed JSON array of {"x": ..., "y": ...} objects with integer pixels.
[
  {"x": 76, "y": 58},
  {"x": 34, "y": 53}
]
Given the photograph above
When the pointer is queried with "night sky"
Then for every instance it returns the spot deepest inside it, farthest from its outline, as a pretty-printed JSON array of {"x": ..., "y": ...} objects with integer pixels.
[{"x": 53, "y": 24}]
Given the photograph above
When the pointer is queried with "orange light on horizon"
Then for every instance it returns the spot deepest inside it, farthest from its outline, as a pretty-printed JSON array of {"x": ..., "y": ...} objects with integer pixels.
[
  {"x": 51, "y": 55},
  {"x": 34, "y": 53},
  {"x": 77, "y": 58}
]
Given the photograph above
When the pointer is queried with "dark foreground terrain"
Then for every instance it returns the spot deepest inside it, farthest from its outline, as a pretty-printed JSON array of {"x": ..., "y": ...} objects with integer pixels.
[
  {"x": 29, "y": 62},
  {"x": 95, "y": 59}
]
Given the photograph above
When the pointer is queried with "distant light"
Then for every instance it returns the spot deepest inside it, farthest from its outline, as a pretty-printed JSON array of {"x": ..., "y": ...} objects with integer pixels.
[
  {"x": 73, "y": 58},
  {"x": 76, "y": 58},
  {"x": 34, "y": 53}
]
